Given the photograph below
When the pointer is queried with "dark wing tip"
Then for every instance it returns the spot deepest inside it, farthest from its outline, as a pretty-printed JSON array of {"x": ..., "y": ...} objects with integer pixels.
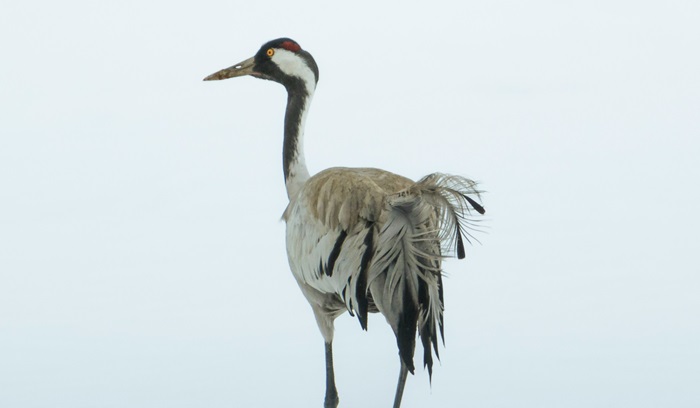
[
  {"x": 478, "y": 207},
  {"x": 461, "y": 254}
]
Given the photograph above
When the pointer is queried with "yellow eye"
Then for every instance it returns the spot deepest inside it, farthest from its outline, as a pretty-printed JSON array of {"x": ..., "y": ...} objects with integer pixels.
[{"x": 270, "y": 52}]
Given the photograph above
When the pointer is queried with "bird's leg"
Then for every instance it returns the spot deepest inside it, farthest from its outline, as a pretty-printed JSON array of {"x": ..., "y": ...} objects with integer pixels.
[
  {"x": 399, "y": 387},
  {"x": 331, "y": 400}
]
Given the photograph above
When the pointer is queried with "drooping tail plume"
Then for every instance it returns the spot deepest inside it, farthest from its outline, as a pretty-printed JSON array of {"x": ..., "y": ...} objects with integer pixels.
[{"x": 425, "y": 222}]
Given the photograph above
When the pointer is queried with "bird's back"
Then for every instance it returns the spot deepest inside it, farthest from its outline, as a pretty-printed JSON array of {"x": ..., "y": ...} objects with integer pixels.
[
  {"x": 369, "y": 240},
  {"x": 329, "y": 219}
]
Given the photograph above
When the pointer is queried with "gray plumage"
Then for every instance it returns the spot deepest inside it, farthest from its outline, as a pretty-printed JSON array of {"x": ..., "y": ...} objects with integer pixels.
[{"x": 363, "y": 240}]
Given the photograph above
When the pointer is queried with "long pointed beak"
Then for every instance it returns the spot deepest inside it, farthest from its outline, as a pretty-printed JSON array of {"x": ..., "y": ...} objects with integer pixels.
[{"x": 240, "y": 69}]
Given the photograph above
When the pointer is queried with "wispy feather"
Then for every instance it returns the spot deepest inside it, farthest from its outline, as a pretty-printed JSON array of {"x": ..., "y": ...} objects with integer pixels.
[{"x": 453, "y": 198}]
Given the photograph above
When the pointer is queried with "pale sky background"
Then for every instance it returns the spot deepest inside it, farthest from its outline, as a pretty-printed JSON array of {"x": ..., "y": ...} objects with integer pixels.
[{"x": 142, "y": 259}]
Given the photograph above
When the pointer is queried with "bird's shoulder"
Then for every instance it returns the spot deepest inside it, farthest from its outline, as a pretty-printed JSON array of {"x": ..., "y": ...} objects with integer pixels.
[{"x": 342, "y": 197}]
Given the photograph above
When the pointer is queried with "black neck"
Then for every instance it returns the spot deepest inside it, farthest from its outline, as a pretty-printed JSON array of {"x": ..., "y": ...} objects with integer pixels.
[
  {"x": 293, "y": 131},
  {"x": 298, "y": 101}
]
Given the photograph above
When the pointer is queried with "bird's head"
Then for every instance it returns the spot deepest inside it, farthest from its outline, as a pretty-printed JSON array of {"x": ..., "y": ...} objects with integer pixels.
[{"x": 281, "y": 60}]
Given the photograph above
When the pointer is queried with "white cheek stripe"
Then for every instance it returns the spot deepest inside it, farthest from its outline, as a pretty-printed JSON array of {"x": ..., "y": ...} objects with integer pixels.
[{"x": 292, "y": 65}]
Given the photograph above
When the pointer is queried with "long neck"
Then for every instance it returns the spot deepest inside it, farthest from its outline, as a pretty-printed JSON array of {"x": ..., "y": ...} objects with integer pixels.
[{"x": 295, "y": 171}]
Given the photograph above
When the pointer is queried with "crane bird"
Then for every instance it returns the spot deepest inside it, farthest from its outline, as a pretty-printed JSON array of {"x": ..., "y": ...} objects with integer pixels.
[{"x": 362, "y": 239}]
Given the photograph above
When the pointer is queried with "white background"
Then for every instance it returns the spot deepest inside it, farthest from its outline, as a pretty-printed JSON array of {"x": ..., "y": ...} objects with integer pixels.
[{"x": 142, "y": 259}]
